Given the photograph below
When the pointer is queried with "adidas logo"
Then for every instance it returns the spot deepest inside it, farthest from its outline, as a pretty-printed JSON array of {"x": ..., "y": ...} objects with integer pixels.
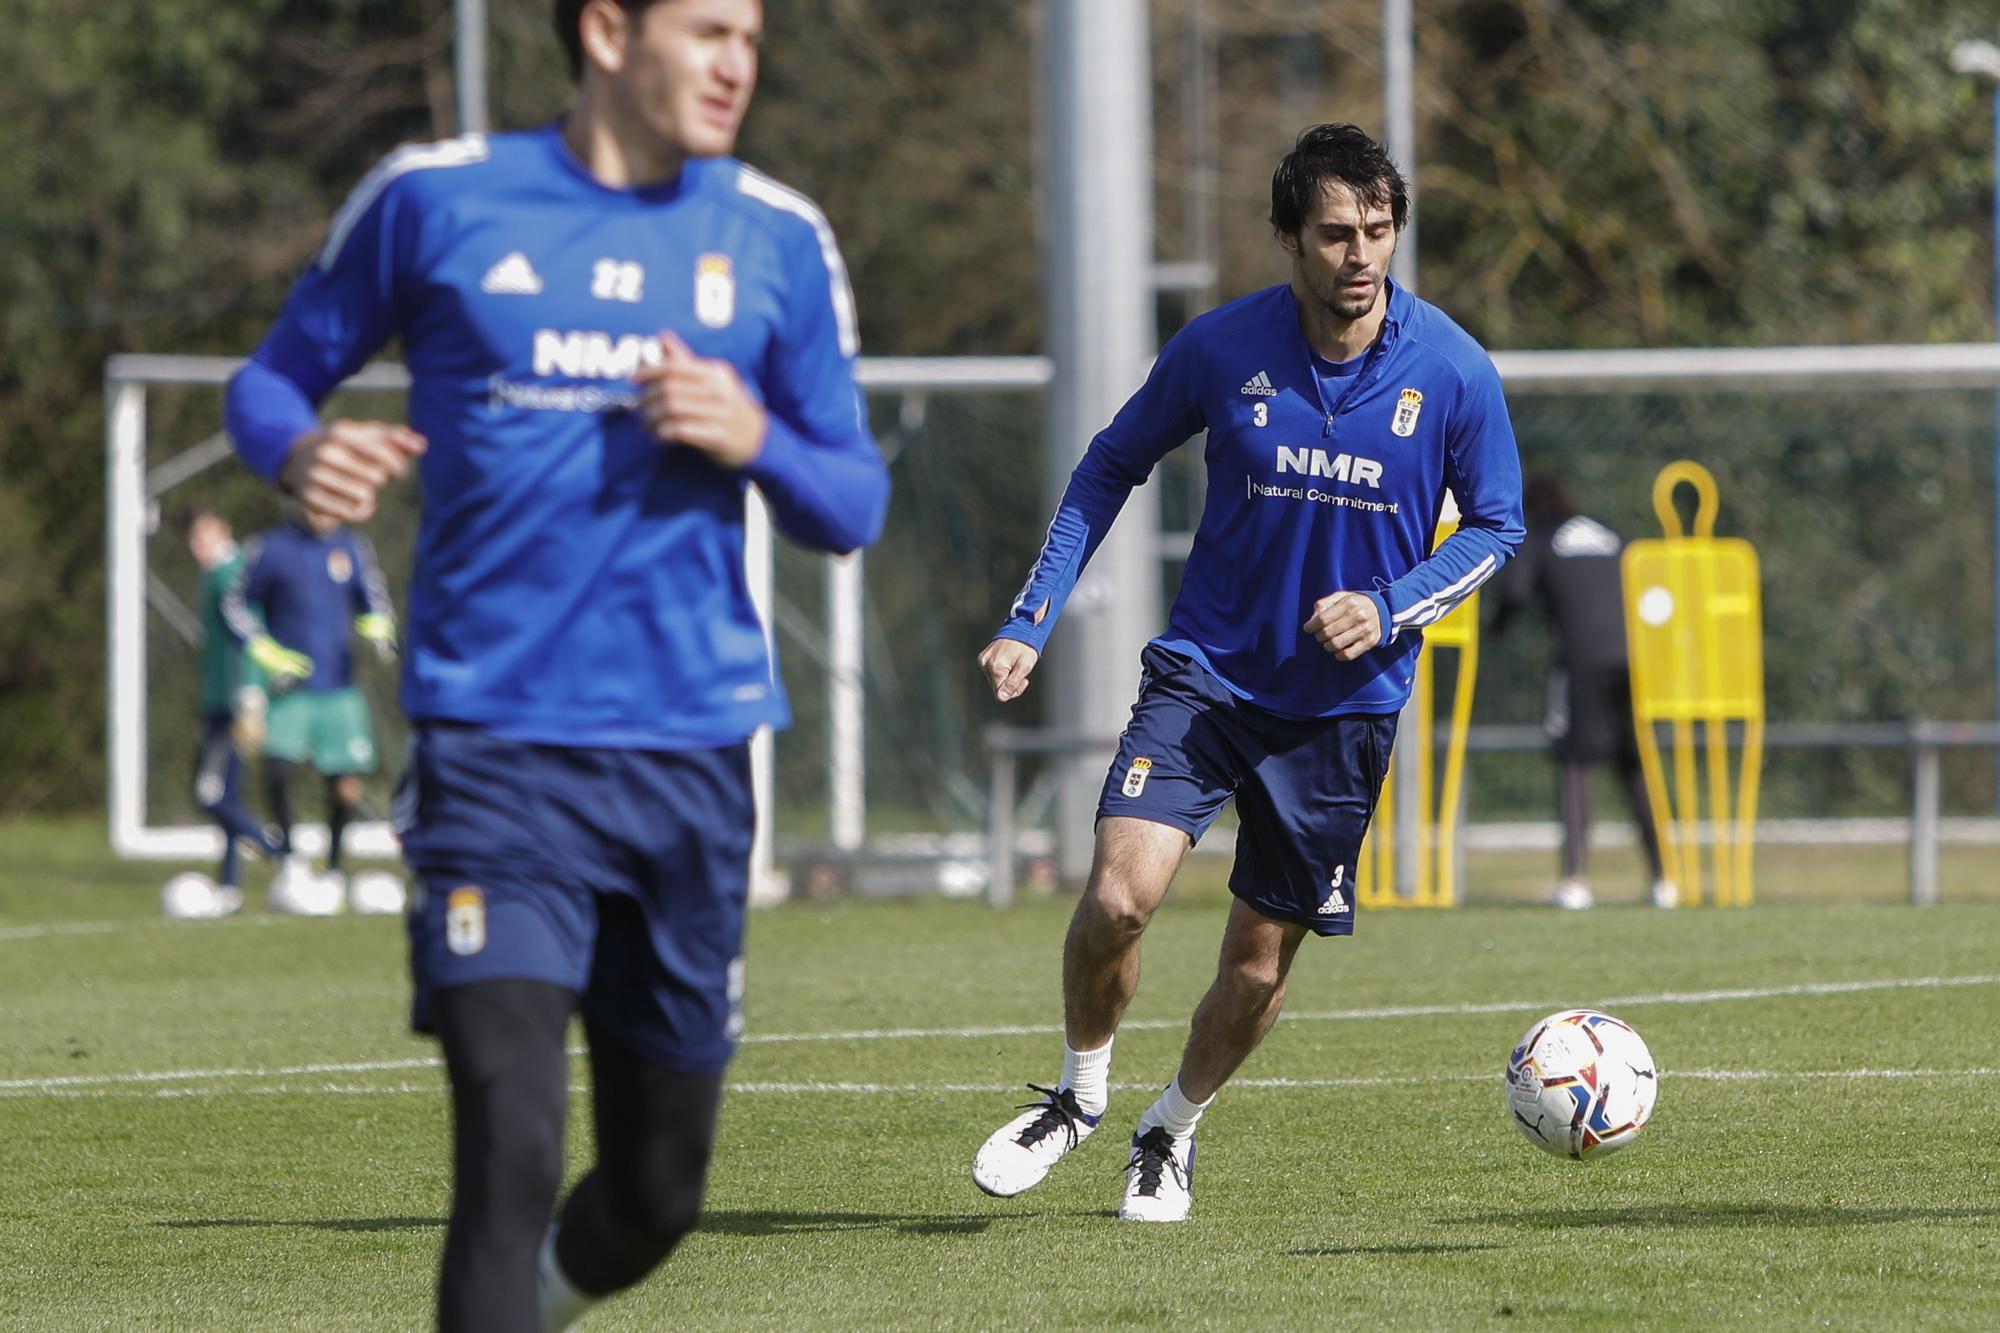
[
  {"x": 512, "y": 276},
  {"x": 1259, "y": 386},
  {"x": 1335, "y": 905}
]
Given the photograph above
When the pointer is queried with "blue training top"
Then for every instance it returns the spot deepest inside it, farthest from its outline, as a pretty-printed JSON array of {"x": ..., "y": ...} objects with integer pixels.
[
  {"x": 575, "y": 581},
  {"x": 1322, "y": 478},
  {"x": 305, "y": 590}
]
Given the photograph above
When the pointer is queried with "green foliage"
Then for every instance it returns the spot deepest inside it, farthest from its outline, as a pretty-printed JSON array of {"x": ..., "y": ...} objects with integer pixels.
[{"x": 1592, "y": 173}]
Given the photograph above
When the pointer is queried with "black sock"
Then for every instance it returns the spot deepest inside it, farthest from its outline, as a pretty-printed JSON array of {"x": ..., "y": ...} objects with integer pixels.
[
  {"x": 277, "y": 789},
  {"x": 339, "y": 813},
  {"x": 505, "y": 1050}
]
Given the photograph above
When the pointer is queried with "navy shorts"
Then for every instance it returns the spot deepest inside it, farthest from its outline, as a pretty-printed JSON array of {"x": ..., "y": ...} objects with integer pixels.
[
  {"x": 621, "y": 875},
  {"x": 1305, "y": 788}
]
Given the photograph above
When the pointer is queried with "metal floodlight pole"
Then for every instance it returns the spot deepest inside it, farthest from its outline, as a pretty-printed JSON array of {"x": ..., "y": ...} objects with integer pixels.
[
  {"x": 1098, "y": 197},
  {"x": 1399, "y": 136},
  {"x": 1982, "y": 59},
  {"x": 469, "y": 65}
]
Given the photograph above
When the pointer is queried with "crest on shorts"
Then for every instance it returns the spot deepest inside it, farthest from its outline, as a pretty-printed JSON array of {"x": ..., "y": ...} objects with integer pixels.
[
  {"x": 714, "y": 290},
  {"x": 339, "y": 565},
  {"x": 1408, "y": 406},
  {"x": 465, "y": 920},
  {"x": 1136, "y": 774}
]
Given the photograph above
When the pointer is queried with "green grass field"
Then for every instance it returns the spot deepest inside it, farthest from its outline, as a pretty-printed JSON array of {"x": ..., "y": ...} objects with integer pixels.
[{"x": 224, "y": 1125}]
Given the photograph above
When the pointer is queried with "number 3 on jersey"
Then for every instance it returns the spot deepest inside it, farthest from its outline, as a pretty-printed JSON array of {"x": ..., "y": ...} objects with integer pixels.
[{"x": 1260, "y": 413}]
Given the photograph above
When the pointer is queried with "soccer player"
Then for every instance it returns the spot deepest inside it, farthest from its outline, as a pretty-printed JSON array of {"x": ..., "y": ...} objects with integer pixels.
[
  {"x": 613, "y": 330},
  {"x": 232, "y": 717},
  {"x": 1339, "y": 409},
  {"x": 1569, "y": 565},
  {"x": 304, "y": 589}
]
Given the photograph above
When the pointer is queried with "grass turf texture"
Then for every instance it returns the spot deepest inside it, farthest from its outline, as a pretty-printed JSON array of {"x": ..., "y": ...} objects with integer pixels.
[{"x": 290, "y": 1170}]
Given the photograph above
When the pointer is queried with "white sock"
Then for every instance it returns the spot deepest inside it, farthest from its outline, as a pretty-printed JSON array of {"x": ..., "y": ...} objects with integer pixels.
[
  {"x": 1174, "y": 1112},
  {"x": 561, "y": 1304},
  {"x": 1087, "y": 1074}
]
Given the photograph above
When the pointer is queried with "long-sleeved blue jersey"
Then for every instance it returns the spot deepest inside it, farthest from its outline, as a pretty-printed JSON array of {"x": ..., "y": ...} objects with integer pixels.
[
  {"x": 1321, "y": 478},
  {"x": 305, "y": 590},
  {"x": 576, "y": 581}
]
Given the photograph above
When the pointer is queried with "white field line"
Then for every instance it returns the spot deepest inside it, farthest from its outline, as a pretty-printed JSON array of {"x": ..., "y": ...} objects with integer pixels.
[
  {"x": 68, "y": 929},
  {"x": 84, "y": 1083},
  {"x": 807, "y": 1088}
]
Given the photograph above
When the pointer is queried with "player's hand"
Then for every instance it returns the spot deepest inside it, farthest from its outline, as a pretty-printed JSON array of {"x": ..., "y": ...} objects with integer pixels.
[
  {"x": 700, "y": 402},
  {"x": 338, "y": 470},
  {"x": 380, "y": 632},
  {"x": 285, "y": 666},
  {"x": 1346, "y": 624},
  {"x": 1007, "y": 664},
  {"x": 246, "y": 725}
]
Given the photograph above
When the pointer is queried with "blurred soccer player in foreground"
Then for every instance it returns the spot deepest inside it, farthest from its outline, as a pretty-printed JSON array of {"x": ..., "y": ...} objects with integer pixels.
[
  {"x": 1339, "y": 410},
  {"x": 1569, "y": 566},
  {"x": 304, "y": 589},
  {"x": 232, "y": 724},
  {"x": 613, "y": 329}
]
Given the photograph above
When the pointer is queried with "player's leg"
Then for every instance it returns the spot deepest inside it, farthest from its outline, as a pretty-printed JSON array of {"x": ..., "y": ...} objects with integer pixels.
[
  {"x": 278, "y": 797},
  {"x": 1303, "y": 809},
  {"x": 218, "y": 790},
  {"x": 1173, "y": 772},
  {"x": 655, "y": 1135},
  {"x": 506, "y": 1057},
  {"x": 1230, "y": 1022},
  {"x": 663, "y": 1008},
  {"x": 343, "y": 802},
  {"x": 1573, "y": 801}
]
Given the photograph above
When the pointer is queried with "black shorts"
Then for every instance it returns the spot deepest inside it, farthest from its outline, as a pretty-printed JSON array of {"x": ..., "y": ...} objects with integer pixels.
[
  {"x": 1590, "y": 715},
  {"x": 1305, "y": 788}
]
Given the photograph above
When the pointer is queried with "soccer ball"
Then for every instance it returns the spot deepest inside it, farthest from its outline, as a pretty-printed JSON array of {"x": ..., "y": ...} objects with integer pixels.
[{"x": 1581, "y": 1084}]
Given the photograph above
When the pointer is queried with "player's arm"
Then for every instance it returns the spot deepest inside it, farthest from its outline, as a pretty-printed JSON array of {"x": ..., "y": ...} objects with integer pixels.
[
  {"x": 807, "y": 446},
  {"x": 1153, "y": 422},
  {"x": 340, "y": 312},
  {"x": 1482, "y": 469},
  {"x": 374, "y": 613},
  {"x": 243, "y": 617}
]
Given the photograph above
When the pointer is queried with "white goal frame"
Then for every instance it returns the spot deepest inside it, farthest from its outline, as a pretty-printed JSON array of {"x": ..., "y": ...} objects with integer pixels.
[{"x": 132, "y": 492}]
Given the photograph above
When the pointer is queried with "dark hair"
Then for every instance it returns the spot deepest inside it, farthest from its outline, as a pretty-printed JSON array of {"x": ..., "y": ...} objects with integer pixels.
[
  {"x": 1546, "y": 502},
  {"x": 194, "y": 513},
  {"x": 1324, "y": 155},
  {"x": 569, "y": 17}
]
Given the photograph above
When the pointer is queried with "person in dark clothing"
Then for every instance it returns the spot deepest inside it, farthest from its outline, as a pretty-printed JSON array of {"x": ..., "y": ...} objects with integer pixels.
[{"x": 1569, "y": 565}]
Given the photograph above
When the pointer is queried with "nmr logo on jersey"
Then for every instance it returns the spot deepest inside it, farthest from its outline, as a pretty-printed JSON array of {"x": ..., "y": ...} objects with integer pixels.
[
  {"x": 1339, "y": 467},
  {"x": 588, "y": 355}
]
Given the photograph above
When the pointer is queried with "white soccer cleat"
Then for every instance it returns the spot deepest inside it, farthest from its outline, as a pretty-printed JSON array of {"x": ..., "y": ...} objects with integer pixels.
[
  {"x": 297, "y": 891},
  {"x": 1159, "y": 1180},
  {"x": 375, "y": 893},
  {"x": 1021, "y": 1151},
  {"x": 1666, "y": 893},
  {"x": 1572, "y": 895},
  {"x": 560, "y": 1303},
  {"x": 190, "y": 897}
]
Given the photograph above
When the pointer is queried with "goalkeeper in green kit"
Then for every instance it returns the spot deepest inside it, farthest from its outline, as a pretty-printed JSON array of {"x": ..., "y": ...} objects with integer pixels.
[{"x": 305, "y": 589}]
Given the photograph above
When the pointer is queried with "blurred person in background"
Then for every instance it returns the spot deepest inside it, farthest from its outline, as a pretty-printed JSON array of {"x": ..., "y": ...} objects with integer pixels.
[
  {"x": 614, "y": 329},
  {"x": 303, "y": 591},
  {"x": 1569, "y": 567},
  {"x": 232, "y": 726}
]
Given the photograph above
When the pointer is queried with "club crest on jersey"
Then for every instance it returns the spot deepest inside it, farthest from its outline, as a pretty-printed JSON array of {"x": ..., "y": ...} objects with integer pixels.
[
  {"x": 1136, "y": 774},
  {"x": 339, "y": 567},
  {"x": 1408, "y": 406},
  {"x": 714, "y": 290},
  {"x": 465, "y": 920}
]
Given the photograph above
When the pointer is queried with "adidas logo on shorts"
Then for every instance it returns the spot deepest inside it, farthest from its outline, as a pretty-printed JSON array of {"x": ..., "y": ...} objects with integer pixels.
[{"x": 1335, "y": 905}]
